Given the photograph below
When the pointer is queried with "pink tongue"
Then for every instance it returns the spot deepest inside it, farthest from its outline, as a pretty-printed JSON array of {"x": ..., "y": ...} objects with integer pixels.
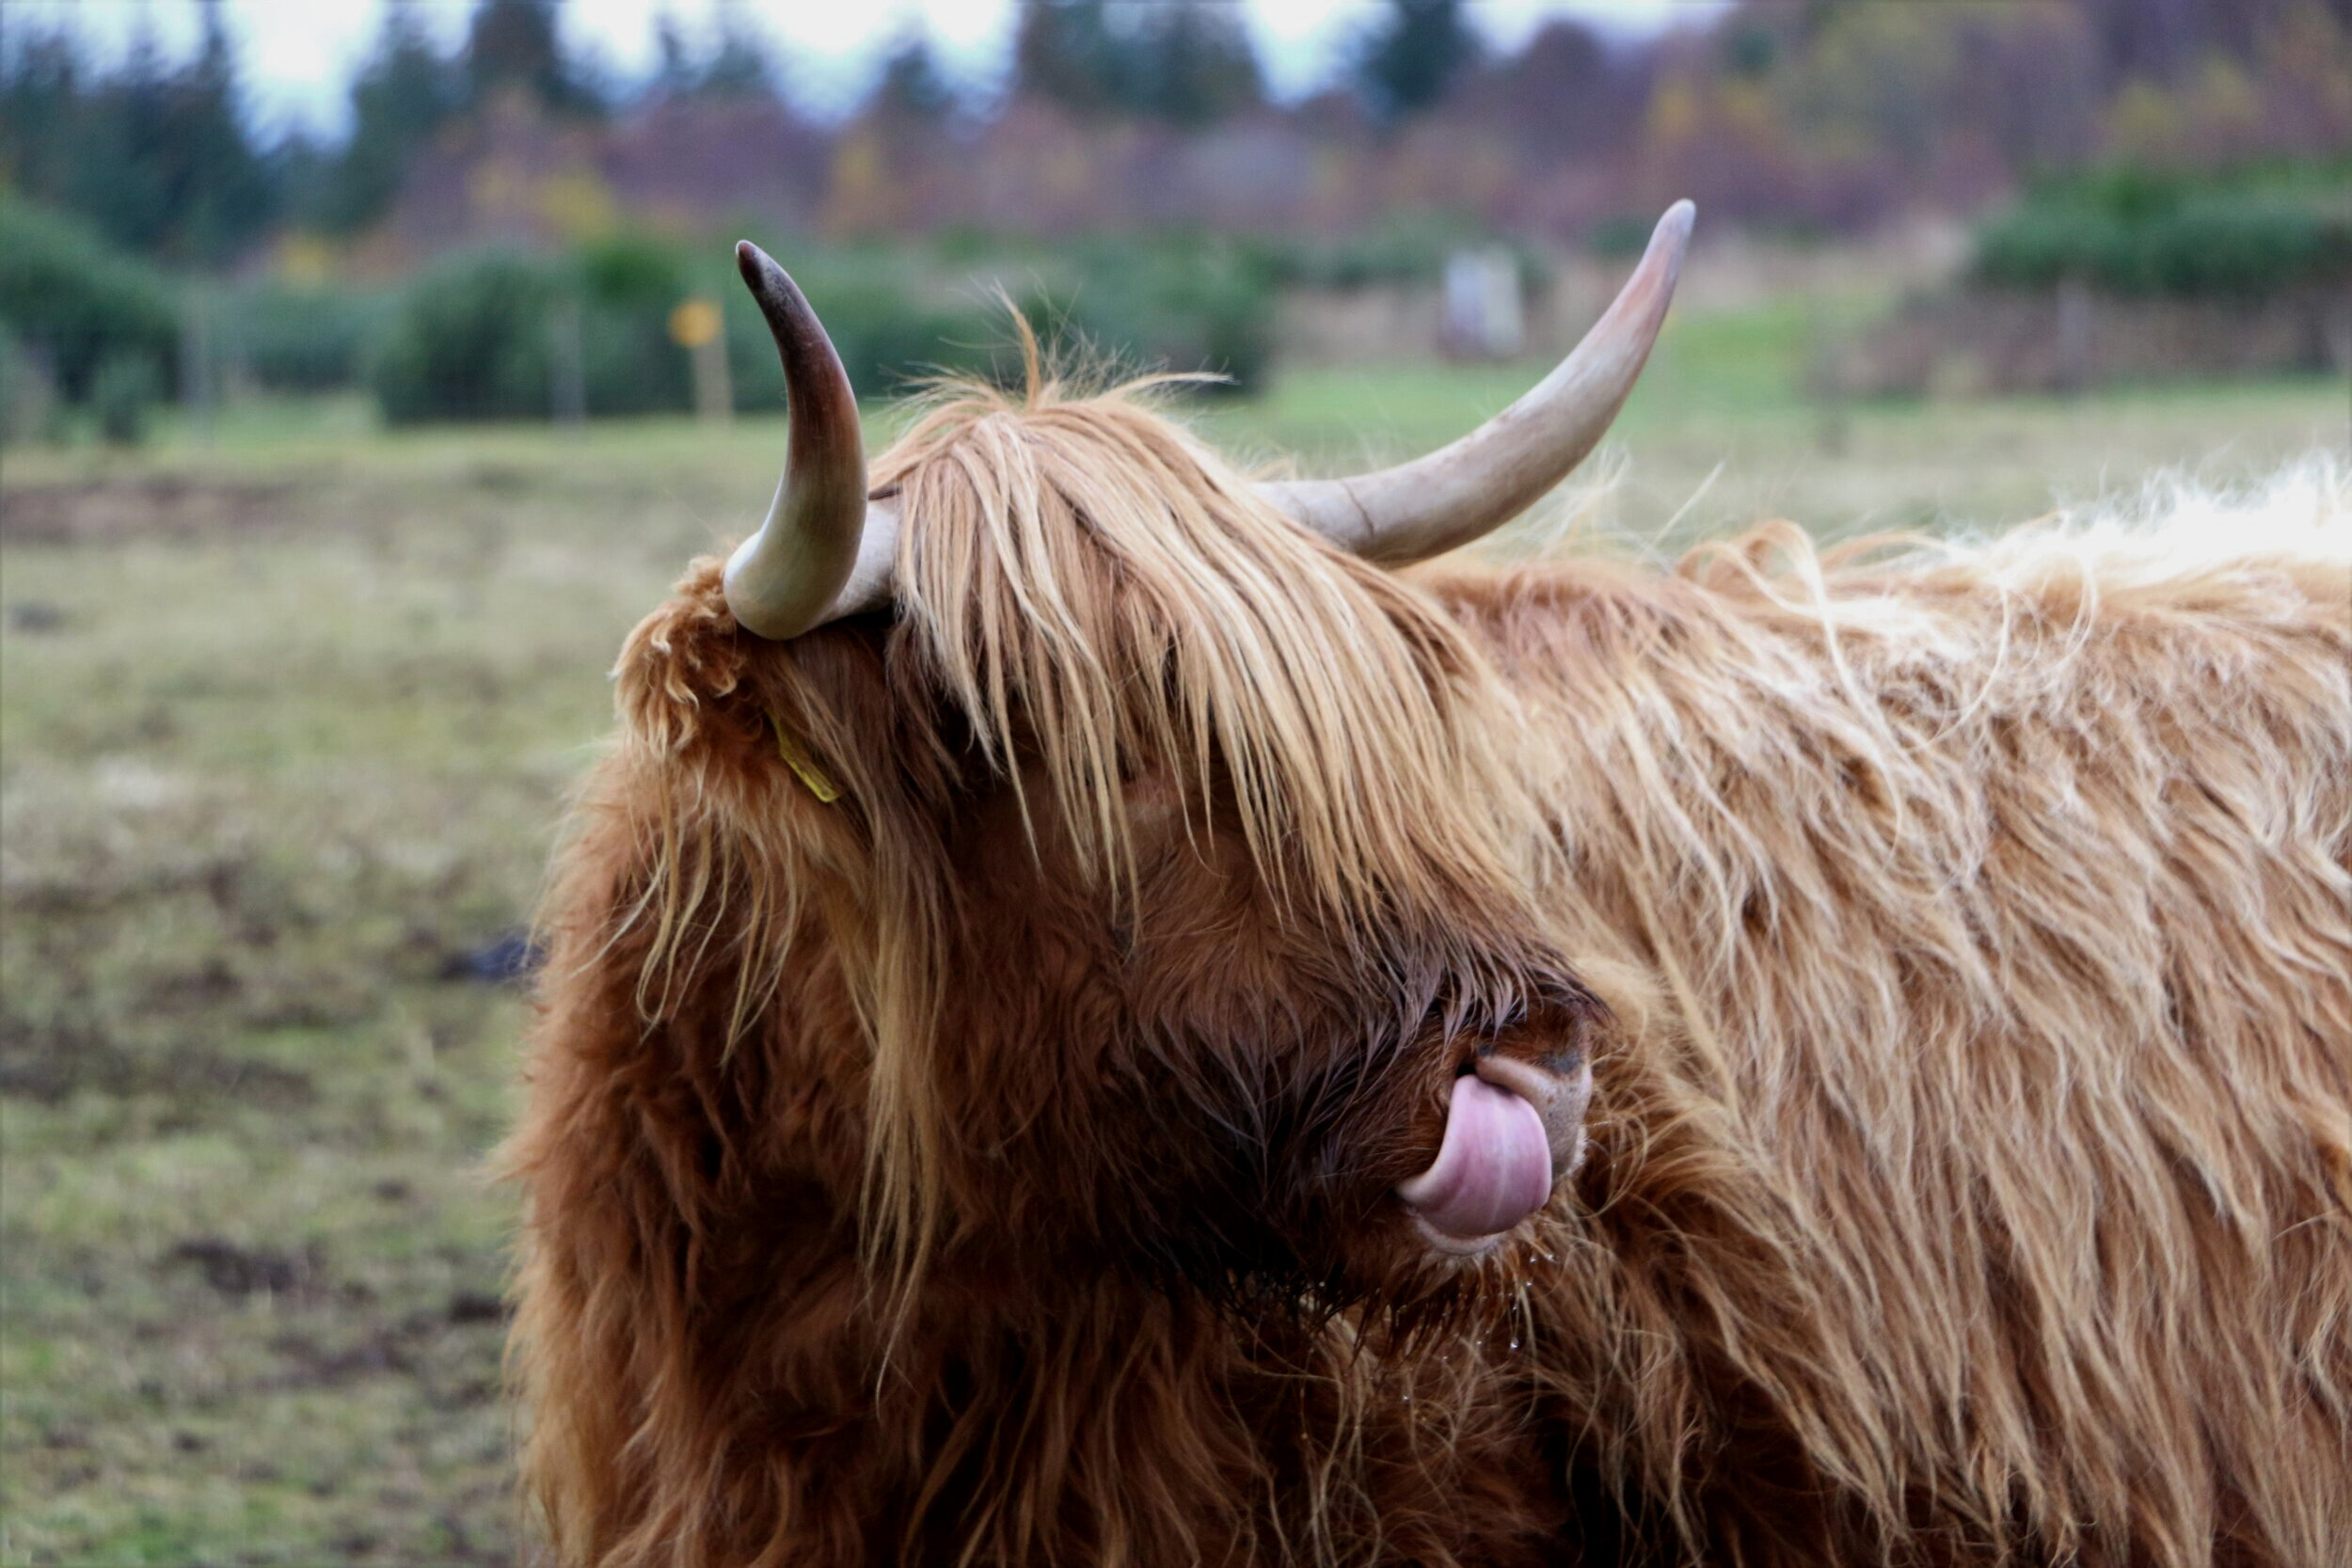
[{"x": 1493, "y": 1169}]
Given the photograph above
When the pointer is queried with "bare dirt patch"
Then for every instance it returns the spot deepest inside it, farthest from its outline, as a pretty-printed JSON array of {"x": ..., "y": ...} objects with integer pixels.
[
  {"x": 158, "y": 506},
  {"x": 238, "y": 1271},
  {"x": 50, "y": 1060}
]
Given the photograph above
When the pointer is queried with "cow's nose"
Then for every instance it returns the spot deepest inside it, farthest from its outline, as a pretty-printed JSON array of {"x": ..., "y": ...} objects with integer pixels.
[{"x": 1561, "y": 1089}]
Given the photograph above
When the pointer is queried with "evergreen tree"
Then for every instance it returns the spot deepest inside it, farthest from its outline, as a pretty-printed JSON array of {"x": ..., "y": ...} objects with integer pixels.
[
  {"x": 117, "y": 178},
  {"x": 156, "y": 159},
  {"x": 741, "y": 66},
  {"x": 1195, "y": 63},
  {"x": 518, "y": 45},
  {"x": 1412, "y": 57},
  {"x": 42, "y": 84},
  {"x": 1186, "y": 61},
  {"x": 1064, "y": 53},
  {"x": 674, "y": 66},
  {"x": 403, "y": 93},
  {"x": 911, "y": 86},
  {"x": 224, "y": 195}
]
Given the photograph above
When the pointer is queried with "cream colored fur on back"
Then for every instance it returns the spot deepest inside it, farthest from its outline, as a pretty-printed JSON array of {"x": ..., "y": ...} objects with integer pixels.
[{"x": 1979, "y": 919}]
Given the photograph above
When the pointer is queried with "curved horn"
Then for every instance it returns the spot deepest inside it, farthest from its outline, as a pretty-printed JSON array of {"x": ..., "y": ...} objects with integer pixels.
[
  {"x": 823, "y": 553},
  {"x": 1455, "y": 494}
]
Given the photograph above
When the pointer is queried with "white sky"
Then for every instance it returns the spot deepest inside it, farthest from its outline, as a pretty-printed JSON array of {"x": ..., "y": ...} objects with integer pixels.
[{"x": 299, "y": 54}]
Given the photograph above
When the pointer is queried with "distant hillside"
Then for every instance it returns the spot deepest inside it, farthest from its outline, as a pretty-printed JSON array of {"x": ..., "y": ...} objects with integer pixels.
[{"x": 1827, "y": 119}]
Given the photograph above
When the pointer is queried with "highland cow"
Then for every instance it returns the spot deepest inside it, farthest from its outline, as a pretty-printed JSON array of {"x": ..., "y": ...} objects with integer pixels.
[{"x": 1091, "y": 1020}]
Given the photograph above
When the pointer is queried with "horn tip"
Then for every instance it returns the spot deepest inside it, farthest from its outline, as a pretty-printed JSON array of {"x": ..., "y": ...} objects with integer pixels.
[
  {"x": 1668, "y": 244},
  {"x": 1675, "y": 228},
  {"x": 763, "y": 274}
]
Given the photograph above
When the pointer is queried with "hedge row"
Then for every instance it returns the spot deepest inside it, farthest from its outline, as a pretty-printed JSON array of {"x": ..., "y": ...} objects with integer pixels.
[
  {"x": 497, "y": 335},
  {"x": 479, "y": 337},
  {"x": 2134, "y": 234},
  {"x": 507, "y": 335},
  {"x": 82, "y": 304}
]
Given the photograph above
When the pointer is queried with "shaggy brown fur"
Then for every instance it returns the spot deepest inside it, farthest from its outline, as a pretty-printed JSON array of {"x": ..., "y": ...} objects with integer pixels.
[{"x": 993, "y": 1163}]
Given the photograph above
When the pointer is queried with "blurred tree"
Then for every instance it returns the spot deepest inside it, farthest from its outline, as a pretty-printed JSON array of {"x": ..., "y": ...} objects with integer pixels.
[
  {"x": 1562, "y": 93},
  {"x": 158, "y": 159},
  {"x": 2304, "y": 62},
  {"x": 1412, "y": 55},
  {"x": 741, "y": 66},
  {"x": 911, "y": 88},
  {"x": 1186, "y": 61},
  {"x": 1194, "y": 63},
  {"x": 1064, "y": 53},
  {"x": 225, "y": 194},
  {"x": 674, "y": 65},
  {"x": 518, "y": 45},
  {"x": 2158, "y": 37},
  {"x": 403, "y": 93},
  {"x": 2021, "y": 82},
  {"x": 41, "y": 93},
  {"x": 80, "y": 300},
  {"x": 1564, "y": 58},
  {"x": 117, "y": 177},
  {"x": 1752, "y": 43},
  {"x": 1879, "y": 77},
  {"x": 2161, "y": 40}
]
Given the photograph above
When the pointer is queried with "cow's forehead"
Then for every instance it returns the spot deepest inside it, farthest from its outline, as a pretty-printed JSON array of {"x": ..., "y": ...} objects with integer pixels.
[{"x": 1094, "y": 593}]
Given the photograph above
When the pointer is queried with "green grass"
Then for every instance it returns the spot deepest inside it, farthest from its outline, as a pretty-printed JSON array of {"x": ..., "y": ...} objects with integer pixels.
[{"x": 285, "y": 720}]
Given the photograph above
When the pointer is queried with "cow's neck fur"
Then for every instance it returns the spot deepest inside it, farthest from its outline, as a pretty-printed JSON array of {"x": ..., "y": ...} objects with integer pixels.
[{"x": 1979, "y": 919}]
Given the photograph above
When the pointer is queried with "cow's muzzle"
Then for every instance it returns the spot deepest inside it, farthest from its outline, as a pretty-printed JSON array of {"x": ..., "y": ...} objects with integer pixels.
[{"x": 1513, "y": 1128}]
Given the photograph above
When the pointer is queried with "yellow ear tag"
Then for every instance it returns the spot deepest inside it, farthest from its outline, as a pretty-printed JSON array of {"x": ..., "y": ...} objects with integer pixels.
[{"x": 802, "y": 766}]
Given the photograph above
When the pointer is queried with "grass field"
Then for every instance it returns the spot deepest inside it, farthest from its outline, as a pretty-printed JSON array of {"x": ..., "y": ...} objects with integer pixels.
[{"x": 285, "y": 722}]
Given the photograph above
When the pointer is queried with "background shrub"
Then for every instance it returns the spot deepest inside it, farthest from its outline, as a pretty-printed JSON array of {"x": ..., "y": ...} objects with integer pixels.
[
  {"x": 1176, "y": 306},
  {"x": 287, "y": 339},
  {"x": 474, "y": 338},
  {"x": 469, "y": 341},
  {"x": 481, "y": 338},
  {"x": 80, "y": 301},
  {"x": 29, "y": 408},
  {"x": 124, "y": 389},
  {"x": 1411, "y": 247},
  {"x": 626, "y": 286},
  {"x": 2137, "y": 233},
  {"x": 890, "y": 322}
]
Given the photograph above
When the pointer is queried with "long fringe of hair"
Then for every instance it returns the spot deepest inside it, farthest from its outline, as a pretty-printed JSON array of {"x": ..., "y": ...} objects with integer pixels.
[{"x": 1091, "y": 597}]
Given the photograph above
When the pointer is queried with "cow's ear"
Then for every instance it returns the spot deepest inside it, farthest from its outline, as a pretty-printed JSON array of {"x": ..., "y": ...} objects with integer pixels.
[
  {"x": 680, "y": 664},
  {"x": 823, "y": 709},
  {"x": 690, "y": 679}
]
